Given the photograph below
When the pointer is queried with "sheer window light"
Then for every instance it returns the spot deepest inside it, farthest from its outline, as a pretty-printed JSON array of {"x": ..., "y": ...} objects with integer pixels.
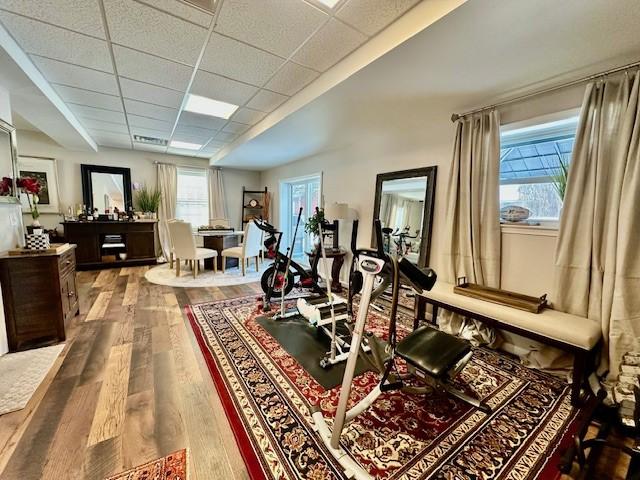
[{"x": 193, "y": 196}]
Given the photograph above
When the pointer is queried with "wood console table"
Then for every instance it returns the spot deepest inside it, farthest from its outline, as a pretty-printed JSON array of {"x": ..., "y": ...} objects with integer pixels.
[
  {"x": 336, "y": 266},
  {"x": 138, "y": 238},
  {"x": 40, "y": 295}
]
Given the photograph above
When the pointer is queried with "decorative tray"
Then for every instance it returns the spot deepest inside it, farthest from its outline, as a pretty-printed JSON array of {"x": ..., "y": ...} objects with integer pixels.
[
  {"x": 501, "y": 297},
  {"x": 53, "y": 249}
]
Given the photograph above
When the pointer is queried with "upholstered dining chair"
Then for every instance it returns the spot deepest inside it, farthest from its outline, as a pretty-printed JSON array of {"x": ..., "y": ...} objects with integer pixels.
[
  {"x": 250, "y": 248},
  {"x": 171, "y": 254},
  {"x": 184, "y": 247}
]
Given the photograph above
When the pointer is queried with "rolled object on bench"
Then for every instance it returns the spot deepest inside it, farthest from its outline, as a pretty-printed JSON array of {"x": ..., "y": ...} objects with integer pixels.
[{"x": 420, "y": 279}]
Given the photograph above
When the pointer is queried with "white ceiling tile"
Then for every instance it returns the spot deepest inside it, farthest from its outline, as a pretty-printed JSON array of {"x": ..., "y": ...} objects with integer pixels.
[
  {"x": 185, "y": 137},
  {"x": 146, "y": 147},
  {"x": 193, "y": 132},
  {"x": 238, "y": 60},
  {"x": 334, "y": 41},
  {"x": 234, "y": 127},
  {"x": 203, "y": 121},
  {"x": 145, "y": 122},
  {"x": 267, "y": 101},
  {"x": 274, "y": 25},
  {"x": 150, "y": 93},
  {"x": 182, "y": 10},
  {"x": 291, "y": 78},
  {"x": 97, "y": 113},
  {"x": 58, "y": 43},
  {"x": 74, "y": 76},
  {"x": 248, "y": 116},
  {"x": 182, "y": 152},
  {"x": 151, "y": 69},
  {"x": 213, "y": 146},
  {"x": 147, "y": 132},
  {"x": 144, "y": 28},
  {"x": 89, "y": 98},
  {"x": 107, "y": 139},
  {"x": 225, "y": 136},
  {"x": 83, "y": 17},
  {"x": 220, "y": 88},
  {"x": 97, "y": 125},
  {"x": 371, "y": 16},
  {"x": 149, "y": 110}
]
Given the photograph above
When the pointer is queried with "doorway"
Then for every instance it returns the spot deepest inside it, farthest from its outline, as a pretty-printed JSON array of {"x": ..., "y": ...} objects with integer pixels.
[{"x": 302, "y": 192}]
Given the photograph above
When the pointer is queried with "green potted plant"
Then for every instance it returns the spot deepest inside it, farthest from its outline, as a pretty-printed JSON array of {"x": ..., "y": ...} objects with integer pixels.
[
  {"x": 148, "y": 200},
  {"x": 559, "y": 180},
  {"x": 312, "y": 226}
]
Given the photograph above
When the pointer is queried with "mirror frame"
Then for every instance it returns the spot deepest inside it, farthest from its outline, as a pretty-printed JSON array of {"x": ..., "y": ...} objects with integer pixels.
[
  {"x": 11, "y": 130},
  {"x": 87, "y": 187},
  {"x": 429, "y": 200}
]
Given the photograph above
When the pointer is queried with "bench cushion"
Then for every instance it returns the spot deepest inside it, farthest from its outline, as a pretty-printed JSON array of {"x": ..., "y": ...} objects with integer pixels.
[{"x": 564, "y": 327}]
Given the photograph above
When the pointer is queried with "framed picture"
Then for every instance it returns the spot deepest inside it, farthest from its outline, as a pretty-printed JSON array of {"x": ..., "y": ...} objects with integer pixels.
[{"x": 46, "y": 171}]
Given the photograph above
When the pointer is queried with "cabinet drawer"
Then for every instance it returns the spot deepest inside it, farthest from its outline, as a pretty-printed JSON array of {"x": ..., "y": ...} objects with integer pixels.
[{"x": 67, "y": 263}]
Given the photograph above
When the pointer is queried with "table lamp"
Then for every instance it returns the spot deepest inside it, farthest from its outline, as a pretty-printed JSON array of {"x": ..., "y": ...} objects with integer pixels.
[{"x": 336, "y": 211}]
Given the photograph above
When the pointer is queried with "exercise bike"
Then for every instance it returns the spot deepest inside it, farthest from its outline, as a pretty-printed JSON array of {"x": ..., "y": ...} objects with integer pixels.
[{"x": 432, "y": 357}]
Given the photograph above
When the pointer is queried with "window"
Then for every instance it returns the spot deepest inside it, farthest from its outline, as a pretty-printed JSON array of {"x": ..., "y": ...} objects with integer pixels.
[
  {"x": 193, "y": 196},
  {"x": 297, "y": 193},
  {"x": 529, "y": 159}
]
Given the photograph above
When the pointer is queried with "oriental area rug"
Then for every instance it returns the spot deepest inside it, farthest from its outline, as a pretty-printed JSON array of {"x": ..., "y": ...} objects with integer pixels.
[
  {"x": 267, "y": 396},
  {"x": 170, "y": 467}
]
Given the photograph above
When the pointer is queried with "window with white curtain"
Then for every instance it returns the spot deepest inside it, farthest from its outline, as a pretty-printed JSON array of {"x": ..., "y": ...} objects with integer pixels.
[
  {"x": 193, "y": 196},
  {"x": 530, "y": 158}
]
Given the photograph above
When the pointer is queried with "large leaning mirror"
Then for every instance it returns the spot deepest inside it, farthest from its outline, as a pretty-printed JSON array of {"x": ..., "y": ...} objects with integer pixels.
[
  {"x": 404, "y": 204},
  {"x": 106, "y": 187},
  {"x": 8, "y": 163}
]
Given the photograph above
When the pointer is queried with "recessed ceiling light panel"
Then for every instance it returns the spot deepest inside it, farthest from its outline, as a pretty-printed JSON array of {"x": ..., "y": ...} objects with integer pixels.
[
  {"x": 329, "y": 3},
  {"x": 209, "y": 106},
  {"x": 185, "y": 145}
]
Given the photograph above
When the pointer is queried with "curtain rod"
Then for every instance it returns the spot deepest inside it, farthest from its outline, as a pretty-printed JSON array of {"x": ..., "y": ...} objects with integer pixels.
[{"x": 457, "y": 116}]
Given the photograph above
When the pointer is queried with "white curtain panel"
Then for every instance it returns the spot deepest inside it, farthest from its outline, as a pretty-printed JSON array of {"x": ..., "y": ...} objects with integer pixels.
[
  {"x": 168, "y": 185},
  {"x": 597, "y": 256},
  {"x": 217, "y": 202},
  {"x": 472, "y": 230}
]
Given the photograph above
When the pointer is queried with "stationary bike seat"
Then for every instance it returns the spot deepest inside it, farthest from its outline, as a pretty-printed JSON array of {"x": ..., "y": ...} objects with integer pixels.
[{"x": 432, "y": 351}]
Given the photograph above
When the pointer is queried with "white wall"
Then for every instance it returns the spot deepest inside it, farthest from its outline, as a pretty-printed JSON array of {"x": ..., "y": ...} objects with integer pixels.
[
  {"x": 418, "y": 135},
  {"x": 10, "y": 221},
  {"x": 141, "y": 164}
]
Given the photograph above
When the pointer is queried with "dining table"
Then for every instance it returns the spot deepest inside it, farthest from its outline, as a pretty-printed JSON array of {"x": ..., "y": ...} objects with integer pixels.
[{"x": 219, "y": 240}]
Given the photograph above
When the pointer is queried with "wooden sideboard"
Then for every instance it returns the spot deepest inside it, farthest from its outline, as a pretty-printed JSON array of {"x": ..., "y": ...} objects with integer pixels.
[
  {"x": 39, "y": 295},
  {"x": 139, "y": 239}
]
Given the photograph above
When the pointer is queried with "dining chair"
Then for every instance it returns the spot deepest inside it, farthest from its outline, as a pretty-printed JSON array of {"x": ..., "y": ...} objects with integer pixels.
[
  {"x": 184, "y": 247},
  {"x": 171, "y": 254},
  {"x": 250, "y": 248}
]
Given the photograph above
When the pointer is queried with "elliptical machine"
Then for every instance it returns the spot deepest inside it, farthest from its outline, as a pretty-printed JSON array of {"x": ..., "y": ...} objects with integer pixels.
[{"x": 433, "y": 357}]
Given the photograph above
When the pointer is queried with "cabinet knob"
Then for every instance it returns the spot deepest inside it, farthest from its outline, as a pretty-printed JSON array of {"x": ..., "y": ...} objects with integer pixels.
[
  {"x": 68, "y": 262},
  {"x": 71, "y": 294}
]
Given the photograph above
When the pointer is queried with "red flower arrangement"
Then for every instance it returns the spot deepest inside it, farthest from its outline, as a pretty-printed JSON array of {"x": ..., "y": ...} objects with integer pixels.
[
  {"x": 6, "y": 186},
  {"x": 31, "y": 187}
]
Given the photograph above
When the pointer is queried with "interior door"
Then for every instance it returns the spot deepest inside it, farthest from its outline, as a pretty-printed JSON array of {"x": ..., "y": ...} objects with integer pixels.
[{"x": 303, "y": 194}]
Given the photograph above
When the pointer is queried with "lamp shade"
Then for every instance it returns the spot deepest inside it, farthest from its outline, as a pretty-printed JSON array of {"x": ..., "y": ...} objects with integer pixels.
[{"x": 336, "y": 211}]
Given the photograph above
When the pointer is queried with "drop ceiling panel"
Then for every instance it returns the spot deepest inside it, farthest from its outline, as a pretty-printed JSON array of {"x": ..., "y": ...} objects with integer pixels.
[
  {"x": 234, "y": 127},
  {"x": 106, "y": 139},
  {"x": 248, "y": 116},
  {"x": 267, "y": 101},
  {"x": 239, "y": 61},
  {"x": 182, "y": 10},
  {"x": 185, "y": 137},
  {"x": 98, "y": 113},
  {"x": 150, "y": 93},
  {"x": 225, "y": 136},
  {"x": 274, "y": 25},
  {"x": 75, "y": 76},
  {"x": 83, "y": 17},
  {"x": 93, "y": 124},
  {"x": 147, "y": 132},
  {"x": 183, "y": 152},
  {"x": 334, "y": 41},
  {"x": 221, "y": 88},
  {"x": 202, "y": 121},
  {"x": 371, "y": 16},
  {"x": 151, "y": 123},
  {"x": 151, "y": 69},
  {"x": 144, "y": 28},
  {"x": 148, "y": 147},
  {"x": 58, "y": 43},
  {"x": 202, "y": 134},
  {"x": 149, "y": 110},
  {"x": 291, "y": 78},
  {"x": 86, "y": 97}
]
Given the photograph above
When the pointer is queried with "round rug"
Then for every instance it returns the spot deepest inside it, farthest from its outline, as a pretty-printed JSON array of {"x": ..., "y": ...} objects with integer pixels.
[{"x": 163, "y": 275}]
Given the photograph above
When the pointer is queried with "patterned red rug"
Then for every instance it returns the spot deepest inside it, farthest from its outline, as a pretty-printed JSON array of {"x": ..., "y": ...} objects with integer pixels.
[
  {"x": 266, "y": 395},
  {"x": 171, "y": 467}
]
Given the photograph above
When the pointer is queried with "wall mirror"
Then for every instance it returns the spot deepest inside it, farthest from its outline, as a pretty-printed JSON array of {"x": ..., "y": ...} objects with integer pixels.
[
  {"x": 404, "y": 204},
  {"x": 106, "y": 187},
  {"x": 8, "y": 163}
]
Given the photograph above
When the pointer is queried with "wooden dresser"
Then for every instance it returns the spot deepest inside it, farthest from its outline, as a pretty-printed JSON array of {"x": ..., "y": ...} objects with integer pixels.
[
  {"x": 138, "y": 238},
  {"x": 39, "y": 295}
]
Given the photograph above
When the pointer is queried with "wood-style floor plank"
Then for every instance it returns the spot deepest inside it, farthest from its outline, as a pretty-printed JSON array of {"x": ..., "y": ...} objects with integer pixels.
[{"x": 99, "y": 308}]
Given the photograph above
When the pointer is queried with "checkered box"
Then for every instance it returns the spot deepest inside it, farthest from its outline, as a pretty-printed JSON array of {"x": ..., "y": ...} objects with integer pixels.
[{"x": 38, "y": 242}]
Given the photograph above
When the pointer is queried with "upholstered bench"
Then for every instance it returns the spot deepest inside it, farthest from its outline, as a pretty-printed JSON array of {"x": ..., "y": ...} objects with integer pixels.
[{"x": 576, "y": 335}]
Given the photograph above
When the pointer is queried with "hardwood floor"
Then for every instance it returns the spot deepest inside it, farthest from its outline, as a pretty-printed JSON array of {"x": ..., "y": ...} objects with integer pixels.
[{"x": 130, "y": 386}]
